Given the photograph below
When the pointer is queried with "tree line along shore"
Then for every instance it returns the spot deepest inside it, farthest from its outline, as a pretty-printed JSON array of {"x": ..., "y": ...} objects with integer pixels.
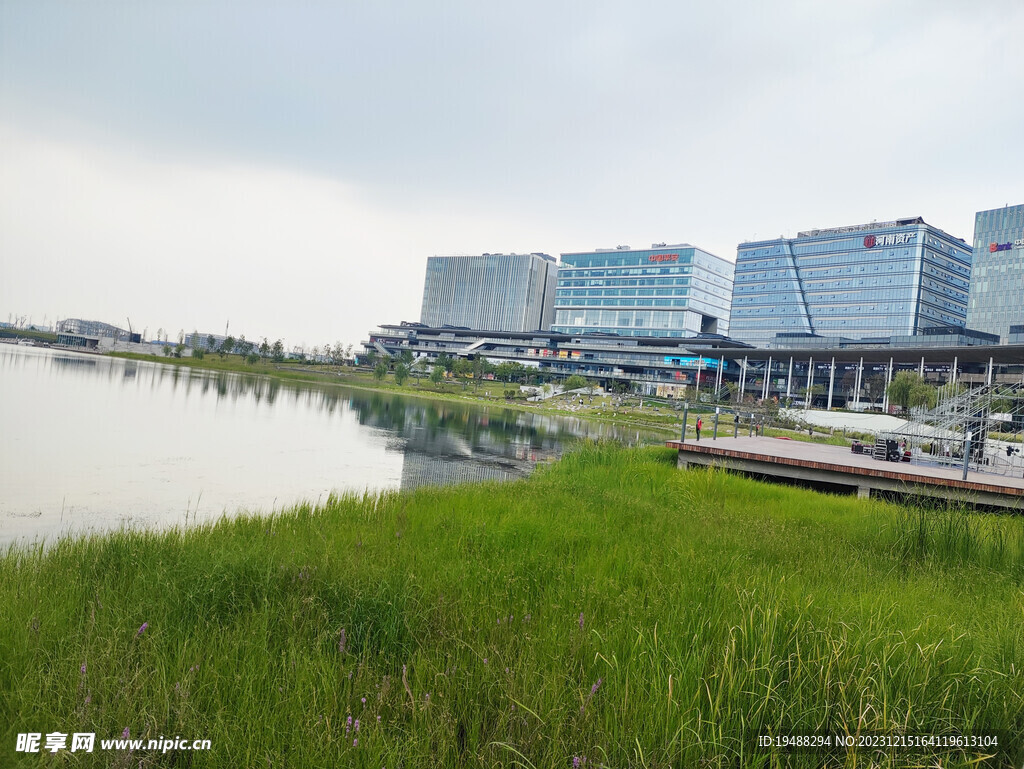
[{"x": 584, "y": 400}]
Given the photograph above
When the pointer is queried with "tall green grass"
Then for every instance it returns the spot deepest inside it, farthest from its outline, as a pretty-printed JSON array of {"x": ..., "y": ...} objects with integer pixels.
[
  {"x": 610, "y": 607},
  {"x": 954, "y": 535}
]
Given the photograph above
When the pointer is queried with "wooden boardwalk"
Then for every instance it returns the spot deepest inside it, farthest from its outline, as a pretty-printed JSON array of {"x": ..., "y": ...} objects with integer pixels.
[{"x": 815, "y": 463}]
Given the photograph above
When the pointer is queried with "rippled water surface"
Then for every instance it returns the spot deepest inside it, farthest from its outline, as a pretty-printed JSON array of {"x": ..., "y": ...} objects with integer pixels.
[{"x": 93, "y": 443}]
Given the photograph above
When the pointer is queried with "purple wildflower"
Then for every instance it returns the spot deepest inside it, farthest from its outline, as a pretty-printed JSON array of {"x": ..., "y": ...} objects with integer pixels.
[
  {"x": 378, "y": 719},
  {"x": 581, "y": 620},
  {"x": 355, "y": 743},
  {"x": 593, "y": 691},
  {"x": 356, "y": 725},
  {"x": 485, "y": 660},
  {"x": 82, "y": 669},
  {"x": 348, "y": 724},
  {"x": 363, "y": 700},
  {"x": 341, "y": 641},
  {"x": 125, "y": 734},
  {"x": 142, "y": 629}
]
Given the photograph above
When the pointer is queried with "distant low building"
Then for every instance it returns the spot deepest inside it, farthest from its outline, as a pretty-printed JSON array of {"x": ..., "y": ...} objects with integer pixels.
[
  {"x": 96, "y": 329},
  {"x": 658, "y": 365},
  {"x": 210, "y": 342}
]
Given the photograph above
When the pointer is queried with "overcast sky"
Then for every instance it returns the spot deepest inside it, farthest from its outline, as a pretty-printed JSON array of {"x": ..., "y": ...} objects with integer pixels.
[{"x": 289, "y": 166}]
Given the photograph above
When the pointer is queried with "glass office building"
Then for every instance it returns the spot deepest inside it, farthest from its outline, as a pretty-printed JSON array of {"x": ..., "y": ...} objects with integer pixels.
[
  {"x": 864, "y": 282},
  {"x": 662, "y": 291},
  {"x": 997, "y": 276},
  {"x": 490, "y": 292}
]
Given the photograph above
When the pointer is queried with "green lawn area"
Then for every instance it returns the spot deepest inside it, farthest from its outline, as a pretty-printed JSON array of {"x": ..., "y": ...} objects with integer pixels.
[{"x": 610, "y": 607}]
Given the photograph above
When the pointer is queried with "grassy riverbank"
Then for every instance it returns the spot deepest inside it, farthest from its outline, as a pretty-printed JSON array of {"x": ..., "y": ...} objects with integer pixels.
[
  {"x": 654, "y": 416},
  {"x": 609, "y": 607},
  {"x": 633, "y": 412},
  {"x": 37, "y": 336}
]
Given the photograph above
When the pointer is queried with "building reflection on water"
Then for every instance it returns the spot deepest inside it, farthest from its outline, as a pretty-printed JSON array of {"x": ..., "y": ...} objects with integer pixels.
[
  {"x": 445, "y": 458},
  {"x": 445, "y": 443},
  {"x": 441, "y": 442}
]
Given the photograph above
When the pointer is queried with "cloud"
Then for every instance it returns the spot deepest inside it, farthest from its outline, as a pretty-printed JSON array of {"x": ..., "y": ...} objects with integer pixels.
[
  {"x": 90, "y": 232},
  {"x": 246, "y": 154}
]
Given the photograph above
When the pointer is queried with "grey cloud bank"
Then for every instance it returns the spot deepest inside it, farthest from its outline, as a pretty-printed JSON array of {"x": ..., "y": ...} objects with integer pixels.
[{"x": 292, "y": 167}]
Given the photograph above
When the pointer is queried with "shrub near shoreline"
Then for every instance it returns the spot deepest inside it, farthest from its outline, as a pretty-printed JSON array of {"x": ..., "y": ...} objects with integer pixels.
[{"x": 609, "y": 611}]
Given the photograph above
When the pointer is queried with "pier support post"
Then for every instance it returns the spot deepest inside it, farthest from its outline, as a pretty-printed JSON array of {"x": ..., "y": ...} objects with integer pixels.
[
  {"x": 860, "y": 374},
  {"x": 864, "y": 492},
  {"x": 831, "y": 381},
  {"x": 888, "y": 381},
  {"x": 810, "y": 382}
]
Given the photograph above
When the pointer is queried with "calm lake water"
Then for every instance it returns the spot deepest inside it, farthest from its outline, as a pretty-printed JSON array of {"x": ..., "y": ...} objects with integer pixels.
[{"x": 89, "y": 443}]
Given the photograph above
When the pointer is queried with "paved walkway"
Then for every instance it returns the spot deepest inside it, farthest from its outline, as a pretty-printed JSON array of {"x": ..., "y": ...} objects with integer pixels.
[{"x": 865, "y": 422}]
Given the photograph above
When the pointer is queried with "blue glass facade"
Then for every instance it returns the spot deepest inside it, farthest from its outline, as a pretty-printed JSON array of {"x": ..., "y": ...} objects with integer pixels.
[
  {"x": 663, "y": 291},
  {"x": 861, "y": 282},
  {"x": 997, "y": 276}
]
